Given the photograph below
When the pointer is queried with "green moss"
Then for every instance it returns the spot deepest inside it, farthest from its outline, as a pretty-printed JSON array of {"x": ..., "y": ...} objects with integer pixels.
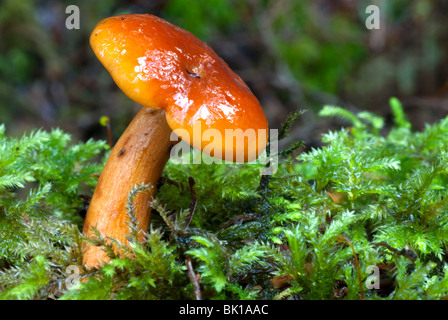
[{"x": 310, "y": 231}]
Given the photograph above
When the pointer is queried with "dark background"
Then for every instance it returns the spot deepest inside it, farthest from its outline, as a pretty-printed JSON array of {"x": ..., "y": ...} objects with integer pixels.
[{"x": 293, "y": 54}]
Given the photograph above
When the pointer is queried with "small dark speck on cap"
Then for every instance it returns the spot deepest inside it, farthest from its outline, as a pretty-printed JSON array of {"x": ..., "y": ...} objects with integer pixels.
[{"x": 122, "y": 18}]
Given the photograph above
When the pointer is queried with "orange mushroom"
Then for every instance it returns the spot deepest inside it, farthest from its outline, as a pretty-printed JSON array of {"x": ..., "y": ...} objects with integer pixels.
[{"x": 181, "y": 83}]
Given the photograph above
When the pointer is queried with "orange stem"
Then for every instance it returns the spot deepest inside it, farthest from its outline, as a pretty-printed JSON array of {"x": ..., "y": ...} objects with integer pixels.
[{"x": 138, "y": 157}]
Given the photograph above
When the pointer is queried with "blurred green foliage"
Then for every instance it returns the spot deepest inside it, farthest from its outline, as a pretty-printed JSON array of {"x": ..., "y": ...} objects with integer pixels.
[
  {"x": 205, "y": 18},
  {"x": 293, "y": 54}
]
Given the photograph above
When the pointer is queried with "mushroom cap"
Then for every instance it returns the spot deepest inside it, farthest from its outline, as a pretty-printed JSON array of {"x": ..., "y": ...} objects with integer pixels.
[{"x": 160, "y": 65}]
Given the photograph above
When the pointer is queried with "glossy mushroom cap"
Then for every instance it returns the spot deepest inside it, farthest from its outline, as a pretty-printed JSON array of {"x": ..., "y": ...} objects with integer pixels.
[{"x": 160, "y": 65}]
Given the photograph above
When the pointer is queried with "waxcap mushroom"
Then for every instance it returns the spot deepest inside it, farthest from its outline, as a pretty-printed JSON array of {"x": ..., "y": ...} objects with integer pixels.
[
  {"x": 182, "y": 85},
  {"x": 160, "y": 65}
]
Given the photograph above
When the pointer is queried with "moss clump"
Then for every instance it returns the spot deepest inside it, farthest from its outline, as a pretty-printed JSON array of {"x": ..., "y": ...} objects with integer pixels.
[{"x": 367, "y": 201}]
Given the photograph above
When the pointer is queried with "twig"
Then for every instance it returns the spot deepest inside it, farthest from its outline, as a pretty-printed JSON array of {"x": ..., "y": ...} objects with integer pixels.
[
  {"x": 105, "y": 122},
  {"x": 344, "y": 238},
  {"x": 239, "y": 219},
  {"x": 193, "y": 203},
  {"x": 194, "y": 278},
  {"x": 405, "y": 252}
]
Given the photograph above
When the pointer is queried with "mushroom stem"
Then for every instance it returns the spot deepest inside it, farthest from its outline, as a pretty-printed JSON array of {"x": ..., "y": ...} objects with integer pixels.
[{"x": 138, "y": 157}]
